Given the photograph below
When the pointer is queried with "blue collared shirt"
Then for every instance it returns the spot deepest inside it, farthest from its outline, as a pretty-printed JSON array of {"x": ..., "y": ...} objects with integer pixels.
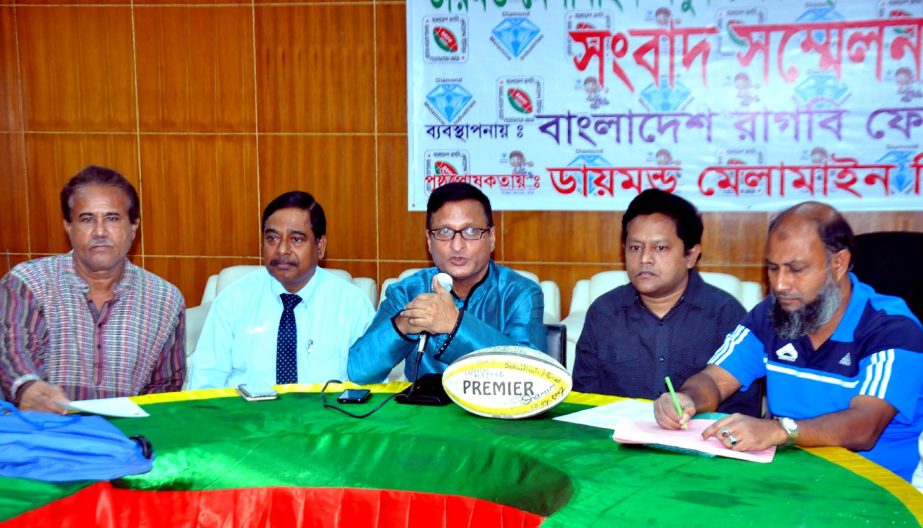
[
  {"x": 238, "y": 340},
  {"x": 626, "y": 350}
]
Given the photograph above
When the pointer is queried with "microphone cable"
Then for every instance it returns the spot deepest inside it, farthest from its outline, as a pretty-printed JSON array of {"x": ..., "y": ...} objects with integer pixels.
[{"x": 323, "y": 397}]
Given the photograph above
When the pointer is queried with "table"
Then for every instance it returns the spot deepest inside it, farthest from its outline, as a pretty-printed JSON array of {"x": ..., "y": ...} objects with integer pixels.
[{"x": 276, "y": 463}]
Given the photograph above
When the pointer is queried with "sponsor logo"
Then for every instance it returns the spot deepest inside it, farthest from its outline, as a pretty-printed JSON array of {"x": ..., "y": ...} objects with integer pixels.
[
  {"x": 515, "y": 37},
  {"x": 846, "y": 360},
  {"x": 445, "y": 168},
  {"x": 664, "y": 98},
  {"x": 822, "y": 91},
  {"x": 442, "y": 165},
  {"x": 445, "y": 39},
  {"x": 743, "y": 156},
  {"x": 449, "y": 102},
  {"x": 903, "y": 178},
  {"x": 585, "y": 21},
  {"x": 787, "y": 353},
  {"x": 519, "y": 98},
  {"x": 729, "y": 42},
  {"x": 589, "y": 160}
]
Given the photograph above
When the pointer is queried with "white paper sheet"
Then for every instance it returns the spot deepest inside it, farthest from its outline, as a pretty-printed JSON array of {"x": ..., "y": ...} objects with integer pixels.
[
  {"x": 115, "y": 407},
  {"x": 627, "y": 432},
  {"x": 606, "y": 416}
]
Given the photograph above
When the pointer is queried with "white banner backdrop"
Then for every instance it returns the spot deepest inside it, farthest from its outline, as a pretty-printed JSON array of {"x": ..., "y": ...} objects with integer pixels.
[{"x": 737, "y": 106}]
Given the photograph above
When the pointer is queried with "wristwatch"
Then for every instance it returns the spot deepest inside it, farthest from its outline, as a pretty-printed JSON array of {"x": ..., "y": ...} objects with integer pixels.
[{"x": 791, "y": 427}]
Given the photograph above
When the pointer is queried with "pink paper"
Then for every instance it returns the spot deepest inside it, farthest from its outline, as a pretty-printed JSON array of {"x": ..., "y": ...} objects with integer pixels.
[{"x": 629, "y": 432}]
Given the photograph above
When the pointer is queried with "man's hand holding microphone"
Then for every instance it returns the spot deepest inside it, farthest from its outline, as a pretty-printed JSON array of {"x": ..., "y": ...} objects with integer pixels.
[{"x": 431, "y": 313}]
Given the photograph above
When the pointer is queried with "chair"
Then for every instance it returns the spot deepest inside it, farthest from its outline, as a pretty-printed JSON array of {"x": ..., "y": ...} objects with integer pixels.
[
  {"x": 227, "y": 276},
  {"x": 748, "y": 293},
  {"x": 588, "y": 290},
  {"x": 891, "y": 263},
  {"x": 557, "y": 342},
  {"x": 585, "y": 292},
  {"x": 551, "y": 294},
  {"x": 550, "y": 291}
]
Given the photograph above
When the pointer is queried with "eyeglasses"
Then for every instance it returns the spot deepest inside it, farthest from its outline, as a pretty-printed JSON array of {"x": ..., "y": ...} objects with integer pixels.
[{"x": 468, "y": 233}]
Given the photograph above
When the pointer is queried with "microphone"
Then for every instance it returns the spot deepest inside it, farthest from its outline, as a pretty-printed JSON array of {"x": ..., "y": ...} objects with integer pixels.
[
  {"x": 444, "y": 280},
  {"x": 426, "y": 390}
]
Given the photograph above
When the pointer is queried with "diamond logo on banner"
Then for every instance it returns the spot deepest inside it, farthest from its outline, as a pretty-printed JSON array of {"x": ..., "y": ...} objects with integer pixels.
[
  {"x": 449, "y": 100},
  {"x": 664, "y": 98},
  {"x": 589, "y": 160},
  {"x": 902, "y": 178},
  {"x": 516, "y": 34},
  {"x": 822, "y": 86}
]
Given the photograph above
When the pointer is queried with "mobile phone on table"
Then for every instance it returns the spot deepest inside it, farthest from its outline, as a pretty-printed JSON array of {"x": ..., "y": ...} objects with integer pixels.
[
  {"x": 354, "y": 396},
  {"x": 257, "y": 391}
]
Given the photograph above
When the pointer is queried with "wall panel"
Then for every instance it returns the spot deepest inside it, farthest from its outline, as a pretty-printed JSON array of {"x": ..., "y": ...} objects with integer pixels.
[
  {"x": 77, "y": 68},
  {"x": 197, "y": 190},
  {"x": 315, "y": 68},
  {"x": 400, "y": 232},
  {"x": 14, "y": 208},
  {"x": 10, "y": 100},
  {"x": 555, "y": 236},
  {"x": 391, "y": 68},
  {"x": 195, "y": 69}
]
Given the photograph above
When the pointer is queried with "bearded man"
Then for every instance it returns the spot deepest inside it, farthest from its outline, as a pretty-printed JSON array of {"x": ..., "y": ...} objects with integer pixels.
[{"x": 843, "y": 364}]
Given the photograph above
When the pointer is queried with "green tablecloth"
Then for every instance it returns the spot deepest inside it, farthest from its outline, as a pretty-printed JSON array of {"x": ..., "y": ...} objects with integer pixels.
[{"x": 574, "y": 475}]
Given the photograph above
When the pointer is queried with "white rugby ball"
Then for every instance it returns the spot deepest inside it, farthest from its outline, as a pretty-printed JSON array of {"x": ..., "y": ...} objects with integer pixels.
[{"x": 506, "y": 382}]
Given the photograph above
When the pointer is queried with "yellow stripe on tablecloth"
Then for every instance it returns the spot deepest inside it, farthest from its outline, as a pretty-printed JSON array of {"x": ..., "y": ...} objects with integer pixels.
[{"x": 228, "y": 392}]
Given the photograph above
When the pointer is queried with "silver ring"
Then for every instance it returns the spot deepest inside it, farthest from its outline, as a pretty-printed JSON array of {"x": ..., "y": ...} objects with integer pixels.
[
  {"x": 732, "y": 439},
  {"x": 724, "y": 432}
]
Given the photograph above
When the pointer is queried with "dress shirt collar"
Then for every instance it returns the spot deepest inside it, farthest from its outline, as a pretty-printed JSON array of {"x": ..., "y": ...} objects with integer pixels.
[
  {"x": 846, "y": 329},
  {"x": 306, "y": 291},
  {"x": 692, "y": 294}
]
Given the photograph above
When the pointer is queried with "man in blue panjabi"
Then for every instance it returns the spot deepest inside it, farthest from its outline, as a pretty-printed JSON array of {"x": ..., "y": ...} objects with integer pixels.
[{"x": 489, "y": 304}]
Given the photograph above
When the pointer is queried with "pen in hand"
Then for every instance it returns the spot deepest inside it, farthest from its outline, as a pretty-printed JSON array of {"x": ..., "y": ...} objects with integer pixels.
[{"x": 679, "y": 408}]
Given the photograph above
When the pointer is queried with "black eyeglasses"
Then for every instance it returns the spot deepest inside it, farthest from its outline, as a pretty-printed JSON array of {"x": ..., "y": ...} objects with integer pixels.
[{"x": 467, "y": 233}]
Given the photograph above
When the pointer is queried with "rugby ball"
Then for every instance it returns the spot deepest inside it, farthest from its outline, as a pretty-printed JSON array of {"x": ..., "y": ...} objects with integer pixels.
[{"x": 506, "y": 382}]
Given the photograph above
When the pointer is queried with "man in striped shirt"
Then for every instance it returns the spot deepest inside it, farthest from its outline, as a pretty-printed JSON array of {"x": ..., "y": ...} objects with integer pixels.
[
  {"x": 89, "y": 324},
  {"x": 843, "y": 364}
]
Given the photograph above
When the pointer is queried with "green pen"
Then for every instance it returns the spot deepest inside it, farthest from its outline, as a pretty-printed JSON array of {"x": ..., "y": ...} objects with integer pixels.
[{"x": 679, "y": 409}]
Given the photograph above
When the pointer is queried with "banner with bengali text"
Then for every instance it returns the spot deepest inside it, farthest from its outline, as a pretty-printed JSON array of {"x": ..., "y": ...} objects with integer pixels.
[{"x": 734, "y": 105}]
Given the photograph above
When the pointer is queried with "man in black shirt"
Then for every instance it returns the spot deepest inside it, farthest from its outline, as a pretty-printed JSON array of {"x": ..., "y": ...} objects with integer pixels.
[{"x": 667, "y": 321}]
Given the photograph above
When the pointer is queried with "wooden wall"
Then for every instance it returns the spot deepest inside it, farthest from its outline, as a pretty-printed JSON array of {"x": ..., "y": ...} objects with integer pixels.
[{"x": 212, "y": 109}]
